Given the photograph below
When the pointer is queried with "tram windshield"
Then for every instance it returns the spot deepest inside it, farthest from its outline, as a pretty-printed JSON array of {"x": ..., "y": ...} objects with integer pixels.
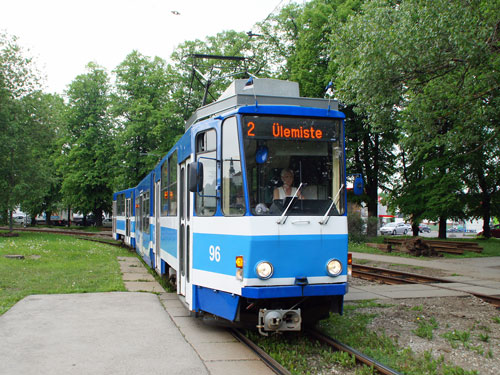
[{"x": 285, "y": 153}]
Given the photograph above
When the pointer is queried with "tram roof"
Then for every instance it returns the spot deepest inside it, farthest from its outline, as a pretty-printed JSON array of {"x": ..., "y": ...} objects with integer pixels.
[{"x": 267, "y": 92}]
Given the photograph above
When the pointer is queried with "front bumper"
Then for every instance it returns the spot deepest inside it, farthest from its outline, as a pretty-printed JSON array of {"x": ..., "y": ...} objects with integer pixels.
[{"x": 294, "y": 291}]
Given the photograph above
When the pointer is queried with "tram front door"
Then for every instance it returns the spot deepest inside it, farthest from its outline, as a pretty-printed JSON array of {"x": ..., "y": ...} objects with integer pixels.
[
  {"x": 128, "y": 213},
  {"x": 157, "y": 215},
  {"x": 184, "y": 234}
]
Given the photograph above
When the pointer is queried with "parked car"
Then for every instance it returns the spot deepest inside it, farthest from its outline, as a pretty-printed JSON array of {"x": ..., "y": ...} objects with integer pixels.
[
  {"x": 456, "y": 230},
  {"x": 495, "y": 231},
  {"x": 395, "y": 228},
  {"x": 424, "y": 228},
  {"x": 19, "y": 219}
]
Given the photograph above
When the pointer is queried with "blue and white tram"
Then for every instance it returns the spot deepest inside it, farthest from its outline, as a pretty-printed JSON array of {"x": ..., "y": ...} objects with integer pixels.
[
  {"x": 123, "y": 221},
  {"x": 211, "y": 215}
]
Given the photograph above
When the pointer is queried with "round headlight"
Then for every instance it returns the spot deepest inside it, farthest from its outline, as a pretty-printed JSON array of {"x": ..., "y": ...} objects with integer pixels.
[
  {"x": 264, "y": 270},
  {"x": 334, "y": 267}
]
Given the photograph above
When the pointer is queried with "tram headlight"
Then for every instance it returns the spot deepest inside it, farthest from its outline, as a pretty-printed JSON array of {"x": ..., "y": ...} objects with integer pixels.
[
  {"x": 334, "y": 267},
  {"x": 264, "y": 270}
]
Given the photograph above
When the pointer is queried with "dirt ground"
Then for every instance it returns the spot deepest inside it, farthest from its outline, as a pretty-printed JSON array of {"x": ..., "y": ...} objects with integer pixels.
[{"x": 467, "y": 333}]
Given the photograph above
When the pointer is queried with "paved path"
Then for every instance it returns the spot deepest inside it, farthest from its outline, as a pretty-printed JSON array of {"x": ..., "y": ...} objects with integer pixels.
[
  {"x": 218, "y": 349},
  {"x": 95, "y": 333},
  {"x": 117, "y": 333}
]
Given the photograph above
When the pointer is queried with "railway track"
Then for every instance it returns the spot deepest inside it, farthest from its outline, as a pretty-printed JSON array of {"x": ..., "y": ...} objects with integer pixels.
[
  {"x": 64, "y": 231},
  {"x": 392, "y": 277},
  {"x": 398, "y": 277},
  {"x": 266, "y": 358},
  {"x": 324, "y": 339},
  {"x": 360, "y": 357}
]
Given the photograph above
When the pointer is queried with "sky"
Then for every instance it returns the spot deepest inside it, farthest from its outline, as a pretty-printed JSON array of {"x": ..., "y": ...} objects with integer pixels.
[{"x": 65, "y": 35}]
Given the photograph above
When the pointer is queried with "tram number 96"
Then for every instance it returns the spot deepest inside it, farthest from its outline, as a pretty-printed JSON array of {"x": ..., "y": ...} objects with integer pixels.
[{"x": 214, "y": 253}]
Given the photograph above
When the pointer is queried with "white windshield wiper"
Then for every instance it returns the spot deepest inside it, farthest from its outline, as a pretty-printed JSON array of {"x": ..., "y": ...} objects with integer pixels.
[
  {"x": 283, "y": 217},
  {"x": 327, "y": 214}
]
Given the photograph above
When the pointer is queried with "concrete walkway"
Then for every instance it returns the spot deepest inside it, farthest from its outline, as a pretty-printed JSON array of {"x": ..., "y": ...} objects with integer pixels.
[
  {"x": 96, "y": 333},
  {"x": 117, "y": 333},
  {"x": 219, "y": 350}
]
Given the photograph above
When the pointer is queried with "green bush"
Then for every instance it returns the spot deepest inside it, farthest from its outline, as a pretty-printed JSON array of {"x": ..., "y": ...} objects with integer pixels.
[{"x": 356, "y": 228}]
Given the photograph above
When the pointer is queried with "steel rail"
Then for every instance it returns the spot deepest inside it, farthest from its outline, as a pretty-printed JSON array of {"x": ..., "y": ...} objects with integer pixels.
[
  {"x": 386, "y": 279},
  {"x": 404, "y": 277},
  {"x": 360, "y": 357},
  {"x": 62, "y": 231},
  {"x": 266, "y": 358}
]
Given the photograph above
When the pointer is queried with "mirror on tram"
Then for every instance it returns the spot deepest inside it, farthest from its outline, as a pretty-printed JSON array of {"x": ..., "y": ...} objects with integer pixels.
[
  {"x": 262, "y": 154},
  {"x": 195, "y": 177},
  {"x": 359, "y": 185}
]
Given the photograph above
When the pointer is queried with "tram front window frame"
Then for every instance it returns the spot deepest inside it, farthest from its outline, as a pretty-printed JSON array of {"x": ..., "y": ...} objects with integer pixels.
[{"x": 314, "y": 154}]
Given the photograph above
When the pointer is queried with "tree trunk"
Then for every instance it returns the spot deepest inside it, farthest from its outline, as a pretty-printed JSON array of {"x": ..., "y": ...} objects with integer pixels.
[
  {"x": 98, "y": 217},
  {"x": 486, "y": 217},
  {"x": 10, "y": 221},
  {"x": 442, "y": 227},
  {"x": 372, "y": 205},
  {"x": 371, "y": 187},
  {"x": 485, "y": 204},
  {"x": 69, "y": 216},
  {"x": 415, "y": 230}
]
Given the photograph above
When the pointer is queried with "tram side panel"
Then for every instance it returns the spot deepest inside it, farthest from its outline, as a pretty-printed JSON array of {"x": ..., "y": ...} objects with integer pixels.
[
  {"x": 143, "y": 219},
  {"x": 124, "y": 216}
]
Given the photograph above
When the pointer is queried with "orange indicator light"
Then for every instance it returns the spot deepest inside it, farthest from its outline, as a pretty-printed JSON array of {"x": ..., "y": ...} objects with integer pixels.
[
  {"x": 239, "y": 261},
  {"x": 349, "y": 259}
]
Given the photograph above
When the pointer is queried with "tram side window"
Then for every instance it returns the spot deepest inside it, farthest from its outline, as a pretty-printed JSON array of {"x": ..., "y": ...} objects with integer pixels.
[
  {"x": 172, "y": 184},
  {"x": 233, "y": 198},
  {"x": 138, "y": 213},
  {"x": 206, "y": 153},
  {"x": 120, "y": 205},
  {"x": 145, "y": 212},
  {"x": 164, "y": 189}
]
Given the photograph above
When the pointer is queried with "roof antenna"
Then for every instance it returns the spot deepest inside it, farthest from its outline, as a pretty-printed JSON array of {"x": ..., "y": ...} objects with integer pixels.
[
  {"x": 250, "y": 86},
  {"x": 330, "y": 92}
]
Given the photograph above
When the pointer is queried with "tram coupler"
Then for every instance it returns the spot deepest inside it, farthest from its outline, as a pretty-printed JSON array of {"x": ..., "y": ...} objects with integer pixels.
[{"x": 278, "y": 321}]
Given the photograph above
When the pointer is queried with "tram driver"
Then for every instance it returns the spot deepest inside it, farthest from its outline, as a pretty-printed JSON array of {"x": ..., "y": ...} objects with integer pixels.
[{"x": 287, "y": 189}]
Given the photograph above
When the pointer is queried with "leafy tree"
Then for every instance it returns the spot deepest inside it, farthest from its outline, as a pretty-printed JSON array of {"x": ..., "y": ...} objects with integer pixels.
[
  {"x": 19, "y": 166},
  {"x": 86, "y": 162},
  {"x": 306, "y": 35},
  {"x": 418, "y": 68},
  {"x": 148, "y": 123},
  {"x": 45, "y": 116}
]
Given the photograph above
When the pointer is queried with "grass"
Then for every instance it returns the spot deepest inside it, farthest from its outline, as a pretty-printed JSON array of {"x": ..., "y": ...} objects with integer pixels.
[
  {"x": 56, "y": 264},
  {"x": 425, "y": 329},
  {"x": 491, "y": 248},
  {"x": 456, "y": 336}
]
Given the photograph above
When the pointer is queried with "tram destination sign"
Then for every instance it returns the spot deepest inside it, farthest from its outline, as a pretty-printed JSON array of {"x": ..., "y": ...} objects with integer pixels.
[{"x": 290, "y": 128}]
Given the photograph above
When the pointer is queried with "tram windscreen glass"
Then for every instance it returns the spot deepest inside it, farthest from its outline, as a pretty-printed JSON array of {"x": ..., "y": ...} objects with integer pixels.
[{"x": 311, "y": 150}]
